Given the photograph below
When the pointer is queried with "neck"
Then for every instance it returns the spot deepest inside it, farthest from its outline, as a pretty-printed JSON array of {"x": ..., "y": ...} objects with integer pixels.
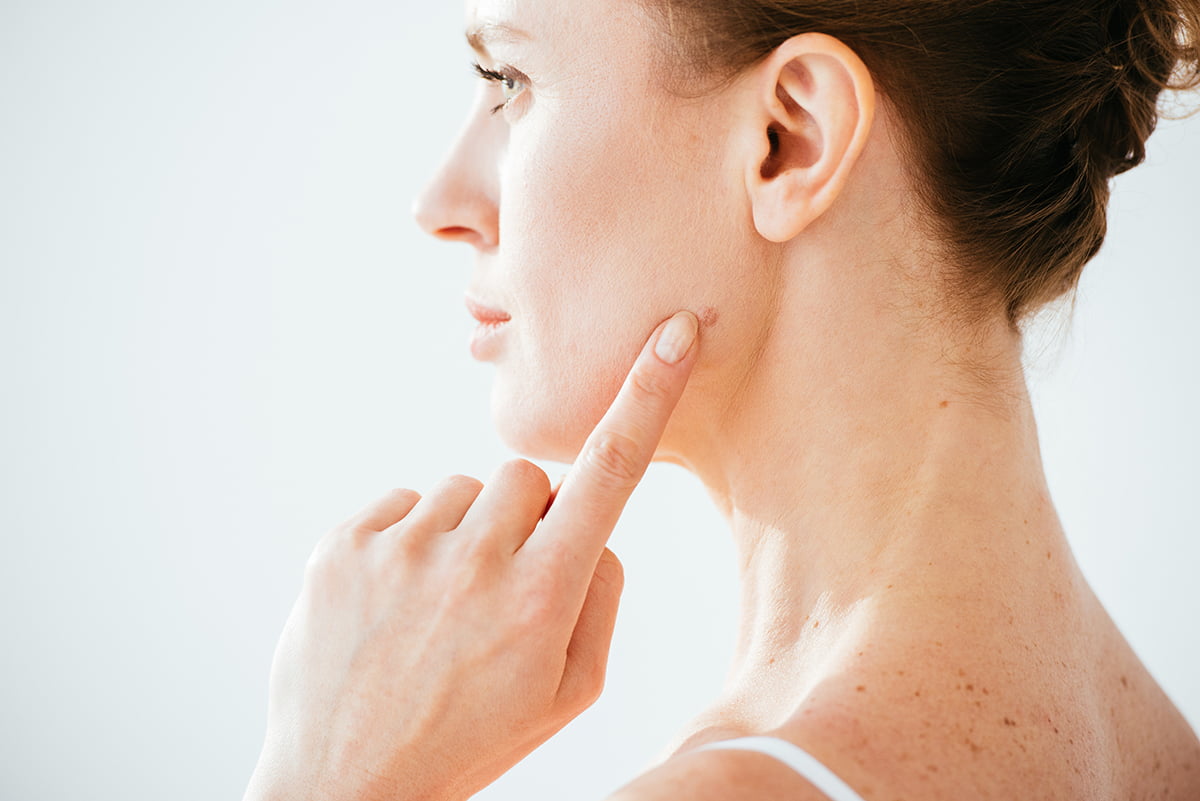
[{"x": 859, "y": 465}]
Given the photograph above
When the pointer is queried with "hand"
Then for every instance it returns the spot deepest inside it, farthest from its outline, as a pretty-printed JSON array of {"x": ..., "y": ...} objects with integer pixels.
[{"x": 439, "y": 640}]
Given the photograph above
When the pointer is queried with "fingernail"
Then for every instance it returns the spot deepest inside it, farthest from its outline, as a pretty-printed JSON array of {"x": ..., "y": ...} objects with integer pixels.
[{"x": 677, "y": 338}]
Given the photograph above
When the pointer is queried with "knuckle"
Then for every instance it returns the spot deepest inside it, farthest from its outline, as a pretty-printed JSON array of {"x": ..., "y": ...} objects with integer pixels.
[
  {"x": 315, "y": 566},
  {"x": 540, "y": 601},
  {"x": 649, "y": 383},
  {"x": 477, "y": 550},
  {"x": 595, "y": 686},
  {"x": 535, "y": 613},
  {"x": 323, "y": 559},
  {"x": 585, "y": 690},
  {"x": 475, "y": 566},
  {"x": 616, "y": 460},
  {"x": 468, "y": 550},
  {"x": 394, "y": 498},
  {"x": 405, "y": 496},
  {"x": 461, "y": 482},
  {"x": 407, "y": 546},
  {"x": 454, "y": 488},
  {"x": 526, "y": 474},
  {"x": 612, "y": 573}
]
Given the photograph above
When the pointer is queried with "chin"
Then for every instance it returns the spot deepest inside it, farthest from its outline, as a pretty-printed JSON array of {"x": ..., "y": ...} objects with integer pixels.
[
  {"x": 539, "y": 424},
  {"x": 540, "y": 421}
]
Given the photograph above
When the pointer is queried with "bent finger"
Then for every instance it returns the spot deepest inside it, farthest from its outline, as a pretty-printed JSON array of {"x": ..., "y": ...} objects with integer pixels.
[
  {"x": 444, "y": 506},
  {"x": 510, "y": 504},
  {"x": 384, "y": 512}
]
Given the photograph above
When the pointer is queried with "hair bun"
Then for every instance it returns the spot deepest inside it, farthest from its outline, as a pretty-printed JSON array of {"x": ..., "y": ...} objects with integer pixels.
[
  {"x": 1014, "y": 114},
  {"x": 1147, "y": 46}
]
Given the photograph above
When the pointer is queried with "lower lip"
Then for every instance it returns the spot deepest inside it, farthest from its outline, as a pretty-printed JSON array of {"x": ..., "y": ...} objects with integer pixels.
[{"x": 485, "y": 340}]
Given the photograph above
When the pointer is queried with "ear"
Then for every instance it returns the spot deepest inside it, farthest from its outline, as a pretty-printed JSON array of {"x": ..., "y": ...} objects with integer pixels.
[{"x": 812, "y": 102}]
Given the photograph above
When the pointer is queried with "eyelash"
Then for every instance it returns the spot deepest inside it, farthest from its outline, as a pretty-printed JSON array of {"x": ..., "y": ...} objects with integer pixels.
[{"x": 499, "y": 76}]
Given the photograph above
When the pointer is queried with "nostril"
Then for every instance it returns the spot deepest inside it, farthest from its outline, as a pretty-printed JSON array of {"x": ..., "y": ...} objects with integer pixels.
[
  {"x": 455, "y": 208},
  {"x": 456, "y": 233}
]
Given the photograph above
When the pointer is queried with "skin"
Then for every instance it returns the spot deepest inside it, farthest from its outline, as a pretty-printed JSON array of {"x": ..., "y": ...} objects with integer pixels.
[
  {"x": 438, "y": 640},
  {"x": 911, "y": 612}
]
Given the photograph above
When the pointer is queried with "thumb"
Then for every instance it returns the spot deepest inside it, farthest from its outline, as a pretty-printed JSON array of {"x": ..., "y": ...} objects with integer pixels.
[{"x": 587, "y": 653}]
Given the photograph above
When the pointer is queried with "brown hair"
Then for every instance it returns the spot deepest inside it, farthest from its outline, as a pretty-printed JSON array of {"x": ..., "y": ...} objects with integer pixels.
[{"x": 1018, "y": 111}]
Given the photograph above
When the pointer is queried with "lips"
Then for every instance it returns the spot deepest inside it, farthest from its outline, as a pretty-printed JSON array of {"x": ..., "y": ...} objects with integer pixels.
[
  {"x": 488, "y": 335},
  {"x": 486, "y": 314}
]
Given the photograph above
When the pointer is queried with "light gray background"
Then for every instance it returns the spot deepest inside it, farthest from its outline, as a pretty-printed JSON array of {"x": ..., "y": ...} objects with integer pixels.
[{"x": 222, "y": 333}]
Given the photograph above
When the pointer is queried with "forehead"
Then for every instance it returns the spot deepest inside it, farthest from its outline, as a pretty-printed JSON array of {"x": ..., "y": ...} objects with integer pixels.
[
  {"x": 553, "y": 24},
  {"x": 520, "y": 14}
]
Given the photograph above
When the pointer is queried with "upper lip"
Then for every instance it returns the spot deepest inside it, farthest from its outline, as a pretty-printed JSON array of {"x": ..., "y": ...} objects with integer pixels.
[{"x": 485, "y": 314}]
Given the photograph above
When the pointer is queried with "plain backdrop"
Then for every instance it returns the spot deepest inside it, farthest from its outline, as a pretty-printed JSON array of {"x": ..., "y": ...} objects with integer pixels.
[{"x": 221, "y": 332}]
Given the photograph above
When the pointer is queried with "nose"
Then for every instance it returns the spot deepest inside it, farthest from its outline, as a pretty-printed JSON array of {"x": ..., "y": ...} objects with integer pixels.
[{"x": 459, "y": 204}]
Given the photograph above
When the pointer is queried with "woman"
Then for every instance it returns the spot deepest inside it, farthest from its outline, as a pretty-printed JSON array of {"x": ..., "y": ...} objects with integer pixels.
[{"x": 796, "y": 241}]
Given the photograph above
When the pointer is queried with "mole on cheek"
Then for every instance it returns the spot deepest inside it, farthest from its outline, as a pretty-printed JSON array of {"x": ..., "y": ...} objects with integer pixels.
[{"x": 708, "y": 316}]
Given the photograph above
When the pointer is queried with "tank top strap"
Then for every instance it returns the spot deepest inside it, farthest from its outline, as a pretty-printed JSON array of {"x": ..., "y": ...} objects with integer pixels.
[{"x": 796, "y": 758}]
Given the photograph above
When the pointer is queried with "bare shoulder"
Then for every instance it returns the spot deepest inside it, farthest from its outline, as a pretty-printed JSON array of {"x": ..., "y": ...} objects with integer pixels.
[
  {"x": 953, "y": 725},
  {"x": 1062, "y": 709}
]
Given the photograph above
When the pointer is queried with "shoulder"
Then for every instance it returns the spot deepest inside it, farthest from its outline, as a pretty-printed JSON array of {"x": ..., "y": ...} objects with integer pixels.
[
  {"x": 926, "y": 734},
  {"x": 877, "y": 756},
  {"x": 1029, "y": 717}
]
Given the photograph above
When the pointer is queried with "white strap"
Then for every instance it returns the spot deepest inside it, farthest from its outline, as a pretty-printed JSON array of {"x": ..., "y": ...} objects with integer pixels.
[{"x": 800, "y": 760}]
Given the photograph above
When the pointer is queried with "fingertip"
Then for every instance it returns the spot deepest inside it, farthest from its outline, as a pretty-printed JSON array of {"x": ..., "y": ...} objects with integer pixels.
[
  {"x": 525, "y": 472},
  {"x": 677, "y": 337}
]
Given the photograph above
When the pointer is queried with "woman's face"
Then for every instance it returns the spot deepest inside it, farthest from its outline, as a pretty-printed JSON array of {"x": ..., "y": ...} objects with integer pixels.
[{"x": 598, "y": 205}]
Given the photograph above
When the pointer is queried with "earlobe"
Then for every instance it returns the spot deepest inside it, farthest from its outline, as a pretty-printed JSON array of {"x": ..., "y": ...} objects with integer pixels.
[{"x": 814, "y": 110}]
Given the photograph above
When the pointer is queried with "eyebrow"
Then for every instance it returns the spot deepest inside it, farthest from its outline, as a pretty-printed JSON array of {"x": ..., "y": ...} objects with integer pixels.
[{"x": 478, "y": 36}]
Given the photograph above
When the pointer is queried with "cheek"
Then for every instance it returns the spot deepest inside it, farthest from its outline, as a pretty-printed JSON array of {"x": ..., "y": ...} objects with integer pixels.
[
  {"x": 602, "y": 238},
  {"x": 577, "y": 241}
]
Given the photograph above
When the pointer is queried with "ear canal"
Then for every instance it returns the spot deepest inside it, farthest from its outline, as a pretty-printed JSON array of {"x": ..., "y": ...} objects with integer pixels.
[
  {"x": 792, "y": 149},
  {"x": 770, "y": 164}
]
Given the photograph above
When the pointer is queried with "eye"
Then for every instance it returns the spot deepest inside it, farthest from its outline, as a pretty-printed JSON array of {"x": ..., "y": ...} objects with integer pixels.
[{"x": 511, "y": 81}]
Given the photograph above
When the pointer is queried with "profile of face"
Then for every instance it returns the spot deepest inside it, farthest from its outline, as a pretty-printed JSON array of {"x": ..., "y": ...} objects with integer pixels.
[{"x": 598, "y": 205}]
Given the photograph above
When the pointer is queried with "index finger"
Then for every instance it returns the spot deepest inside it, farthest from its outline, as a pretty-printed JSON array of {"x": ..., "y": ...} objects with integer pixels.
[{"x": 616, "y": 454}]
